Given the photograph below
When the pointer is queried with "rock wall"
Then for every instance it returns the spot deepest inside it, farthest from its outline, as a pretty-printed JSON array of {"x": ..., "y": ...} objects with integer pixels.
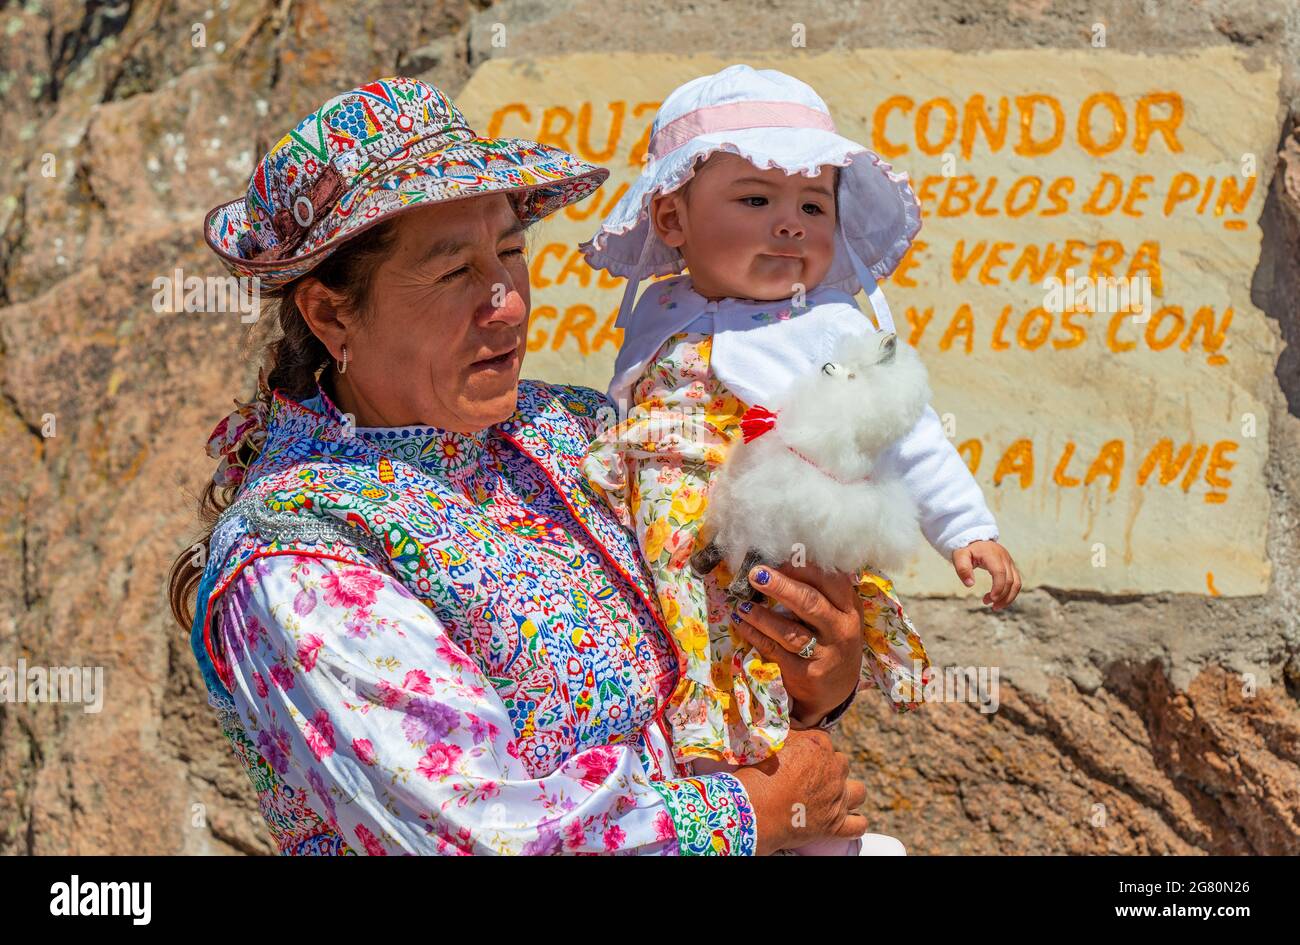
[{"x": 1136, "y": 724}]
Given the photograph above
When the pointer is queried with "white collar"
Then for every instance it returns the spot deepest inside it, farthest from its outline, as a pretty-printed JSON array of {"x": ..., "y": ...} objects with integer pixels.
[{"x": 669, "y": 306}]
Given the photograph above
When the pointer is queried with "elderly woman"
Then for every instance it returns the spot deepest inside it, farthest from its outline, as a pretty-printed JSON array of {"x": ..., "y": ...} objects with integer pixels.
[{"x": 422, "y": 633}]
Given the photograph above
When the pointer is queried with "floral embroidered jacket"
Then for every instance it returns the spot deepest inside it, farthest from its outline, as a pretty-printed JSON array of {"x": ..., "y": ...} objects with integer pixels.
[{"x": 421, "y": 641}]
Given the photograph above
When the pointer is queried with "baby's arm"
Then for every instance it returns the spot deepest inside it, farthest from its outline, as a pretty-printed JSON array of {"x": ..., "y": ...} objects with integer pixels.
[{"x": 950, "y": 502}]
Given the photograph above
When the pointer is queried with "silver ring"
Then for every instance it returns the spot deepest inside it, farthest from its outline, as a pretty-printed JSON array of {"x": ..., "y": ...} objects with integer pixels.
[{"x": 808, "y": 648}]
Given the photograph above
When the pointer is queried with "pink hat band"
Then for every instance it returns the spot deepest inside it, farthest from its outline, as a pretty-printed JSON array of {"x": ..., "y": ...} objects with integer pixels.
[{"x": 736, "y": 116}]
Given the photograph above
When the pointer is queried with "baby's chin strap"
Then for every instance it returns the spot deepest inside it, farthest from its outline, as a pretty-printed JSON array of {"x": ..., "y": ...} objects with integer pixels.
[
  {"x": 634, "y": 281},
  {"x": 875, "y": 295}
]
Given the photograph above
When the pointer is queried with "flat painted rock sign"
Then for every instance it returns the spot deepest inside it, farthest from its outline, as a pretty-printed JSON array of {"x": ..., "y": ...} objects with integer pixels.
[{"x": 1119, "y": 429}]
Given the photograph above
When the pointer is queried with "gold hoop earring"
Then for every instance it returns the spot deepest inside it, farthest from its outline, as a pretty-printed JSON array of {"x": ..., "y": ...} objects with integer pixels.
[{"x": 343, "y": 369}]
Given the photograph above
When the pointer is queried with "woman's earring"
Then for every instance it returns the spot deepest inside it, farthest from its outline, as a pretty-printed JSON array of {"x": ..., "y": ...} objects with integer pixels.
[{"x": 343, "y": 368}]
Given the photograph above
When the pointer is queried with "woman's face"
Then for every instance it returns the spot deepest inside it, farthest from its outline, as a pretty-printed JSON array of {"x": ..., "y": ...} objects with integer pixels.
[{"x": 444, "y": 340}]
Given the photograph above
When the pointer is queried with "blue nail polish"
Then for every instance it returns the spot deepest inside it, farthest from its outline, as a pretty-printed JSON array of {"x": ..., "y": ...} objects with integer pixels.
[
  {"x": 762, "y": 577},
  {"x": 747, "y": 606}
]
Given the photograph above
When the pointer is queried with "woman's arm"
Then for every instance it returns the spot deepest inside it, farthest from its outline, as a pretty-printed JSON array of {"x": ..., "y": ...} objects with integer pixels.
[{"x": 354, "y": 693}]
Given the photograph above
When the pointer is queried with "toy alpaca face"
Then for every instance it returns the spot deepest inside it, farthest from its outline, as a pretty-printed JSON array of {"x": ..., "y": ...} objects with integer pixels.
[
  {"x": 872, "y": 392},
  {"x": 877, "y": 350}
]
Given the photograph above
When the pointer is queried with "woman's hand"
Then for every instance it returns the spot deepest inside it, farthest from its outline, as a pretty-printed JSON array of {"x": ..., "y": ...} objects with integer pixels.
[
  {"x": 828, "y": 605},
  {"x": 803, "y": 794}
]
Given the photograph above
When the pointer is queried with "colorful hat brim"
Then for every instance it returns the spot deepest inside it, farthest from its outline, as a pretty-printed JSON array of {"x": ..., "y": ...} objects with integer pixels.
[{"x": 551, "y": 178}]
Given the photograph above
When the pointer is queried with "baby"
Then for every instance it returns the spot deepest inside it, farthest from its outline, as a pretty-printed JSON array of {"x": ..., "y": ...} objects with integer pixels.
[{"x": 779, "y": 221}]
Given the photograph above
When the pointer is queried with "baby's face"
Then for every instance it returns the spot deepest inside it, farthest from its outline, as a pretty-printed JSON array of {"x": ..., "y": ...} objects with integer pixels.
[{"x": 750, "y": 233}]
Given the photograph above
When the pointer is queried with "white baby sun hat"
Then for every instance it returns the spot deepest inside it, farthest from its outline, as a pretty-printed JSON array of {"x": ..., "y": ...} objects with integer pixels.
[{"x": 738, "y": 110}]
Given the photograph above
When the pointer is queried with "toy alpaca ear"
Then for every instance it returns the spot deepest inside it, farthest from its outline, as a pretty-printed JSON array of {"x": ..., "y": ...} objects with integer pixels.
[{"x": 890, "y": 345}]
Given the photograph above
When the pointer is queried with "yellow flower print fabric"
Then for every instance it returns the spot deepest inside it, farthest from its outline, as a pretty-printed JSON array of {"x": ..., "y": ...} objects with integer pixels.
[{"x": 654, "y": 470}]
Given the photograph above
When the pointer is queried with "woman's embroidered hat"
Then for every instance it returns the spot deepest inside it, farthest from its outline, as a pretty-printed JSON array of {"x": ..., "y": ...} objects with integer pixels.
[
  {"x": 772, "y": 120},
  {"x": 392, "y": 145}
]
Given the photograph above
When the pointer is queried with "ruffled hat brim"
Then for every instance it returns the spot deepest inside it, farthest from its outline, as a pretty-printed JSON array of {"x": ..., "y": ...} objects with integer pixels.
[
  {"x": 546, "y": 179},
  {"x": 879, "y": 213}
]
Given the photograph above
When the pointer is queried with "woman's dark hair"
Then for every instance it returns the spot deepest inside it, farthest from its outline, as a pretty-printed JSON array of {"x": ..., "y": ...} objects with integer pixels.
[{"x": 296, "y": 357}]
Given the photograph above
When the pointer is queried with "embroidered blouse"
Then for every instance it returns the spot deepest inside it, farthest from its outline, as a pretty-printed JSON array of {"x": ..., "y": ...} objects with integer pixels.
[{"x": 513, "y": 708}]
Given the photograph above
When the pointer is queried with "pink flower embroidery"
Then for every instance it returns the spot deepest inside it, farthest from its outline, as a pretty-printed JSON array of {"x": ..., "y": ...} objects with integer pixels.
[
  {"x": 252, "y": 630},
  {"x": 664, "y": 829},
  {"x": 614, "y": 837},
  {"x": 359, "y": 625},
  {"x": 417, "y": 680},
  {"x": 351, "y": 587},
  {"x": 320, "y": 735},
  {"x": 479, "y": 729},
  {"x": 364, "y": 751},
  {"x": 462, "y": 843},
  {"x": 438, "y": 760},
  {"x": 282, "y": 677},
  {"x": 597, "y": 764},
  {"x": 453, "y": 655},
  {"x": 307, "y": 651},
  {"x": 262, "y": 689},
  {"x": 574, "y": 833},
  {"x": 370, "y": 842}
]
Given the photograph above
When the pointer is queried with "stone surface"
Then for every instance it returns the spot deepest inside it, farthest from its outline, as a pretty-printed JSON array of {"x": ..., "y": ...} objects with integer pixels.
[
  {"x": 1175, "y": 712},
  {"x": 1132, "y": 767}
]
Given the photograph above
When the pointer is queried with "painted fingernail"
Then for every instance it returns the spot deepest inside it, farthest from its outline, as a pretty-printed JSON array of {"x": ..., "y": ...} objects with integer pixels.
[
  {"x": 762, "y": 577},
  {"x": 746, "y": 606}
]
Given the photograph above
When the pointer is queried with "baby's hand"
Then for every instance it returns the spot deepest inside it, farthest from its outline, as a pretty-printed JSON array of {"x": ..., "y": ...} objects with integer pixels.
[{"x": 994, "y": 559}]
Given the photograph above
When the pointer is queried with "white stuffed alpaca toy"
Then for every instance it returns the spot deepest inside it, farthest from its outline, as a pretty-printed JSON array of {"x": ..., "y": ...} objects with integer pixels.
[{"x": 806, "y": 475}]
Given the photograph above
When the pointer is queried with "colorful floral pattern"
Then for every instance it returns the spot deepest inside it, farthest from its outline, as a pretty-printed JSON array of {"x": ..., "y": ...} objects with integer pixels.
[
  {"x": 654, "y": 470},
  {"x": 448, "y": 650}
]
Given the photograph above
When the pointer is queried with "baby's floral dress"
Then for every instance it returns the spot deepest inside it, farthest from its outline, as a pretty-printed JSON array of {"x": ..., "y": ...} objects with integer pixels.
[{"x": 654, "y": 469}]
